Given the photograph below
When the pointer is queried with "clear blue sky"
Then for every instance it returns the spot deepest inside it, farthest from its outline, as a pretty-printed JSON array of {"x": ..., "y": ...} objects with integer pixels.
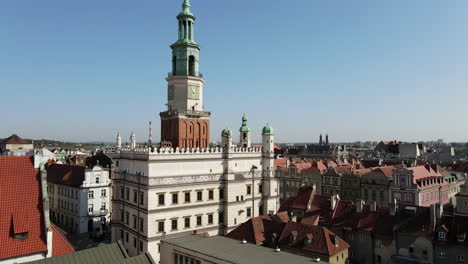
[{"x": 359, "y": 70}]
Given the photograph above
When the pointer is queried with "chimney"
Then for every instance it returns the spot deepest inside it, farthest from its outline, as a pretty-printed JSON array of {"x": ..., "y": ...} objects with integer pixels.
[
  {"x": 294, "y": 219},
  {"x": 373, "y": 206},
  {"x": 393, "y": 207},
  {"x": 359, "y": 205}
]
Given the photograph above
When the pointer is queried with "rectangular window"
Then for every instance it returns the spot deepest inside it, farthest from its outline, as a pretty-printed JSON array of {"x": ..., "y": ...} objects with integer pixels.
[
  {"x": 210, "y": 219},
  {"x": 134, "y": 221},
  {"x": 141, "y": 245},
  {"x": 187, "y": 197},
  {"x": 127, "y": 194},
  {"x": 134, "y": 242},
  {"x": 126, "y": 237},
  {"x": 221, "y": 194},
  {"x": 249, "y": 190},
  {"x": 121, "y": 233},
  {"x": 199, "y": 220},
  {"x": 161, "y": 226},
  {"x": 91, "y": 194},
  {"x": 461, "y": 258},
  {"x": 442, "y": 254},
  {"x": 127, "y": 218},
  {"x": 103, "y": 206},
  {"x": 90, "y": 208},
  {"x": 174, "y": 224},
  {"x": 249, "y": 212},
  {"x": 160, "y": 199},
  {"x": 103, "y": 193},
  {"x": 187, "y": 222},
  {"x": 199, "y": 196},
  {"x": 122, "y": 194},
  {"x": 260, "y": 188},
  {"x": 135, "y": 196},
  {"x": 175, "y": 198},
  {"x": 142, "y": 198},
  {"x": 210, "y": 195},
  {"x": 141, "y": 224}
]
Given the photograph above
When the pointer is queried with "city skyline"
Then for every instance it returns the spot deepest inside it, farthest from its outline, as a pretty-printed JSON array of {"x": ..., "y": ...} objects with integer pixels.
[{"x": 357, "y": 71}]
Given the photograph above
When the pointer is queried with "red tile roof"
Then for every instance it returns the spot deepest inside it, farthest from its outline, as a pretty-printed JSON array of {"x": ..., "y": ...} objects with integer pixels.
[
  {"x": 280, "y": 162},
  {"x": 60, "y": 244},
  {"x": 14, "y": 139},
  {"x": 72, "y": 175},
  {"x": 21, "y": 208},
  {"x": 303, "y": 198},
  {"x": 322, "y": 242}
]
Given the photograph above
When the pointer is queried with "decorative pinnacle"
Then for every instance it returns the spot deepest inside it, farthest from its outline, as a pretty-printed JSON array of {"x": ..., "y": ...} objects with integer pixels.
[{"x": 186, "y": 4}]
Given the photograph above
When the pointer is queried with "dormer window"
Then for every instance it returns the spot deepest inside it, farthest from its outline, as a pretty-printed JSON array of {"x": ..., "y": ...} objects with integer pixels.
[
  {"x": 461, "y": 238},
  {"x": 21, "y": 236},
  {"x": 308, "y": 239},
  {"x": 442, "y": 235},
  {"x": 97, "y": 179},
  {"x": 292, "y": 236}
]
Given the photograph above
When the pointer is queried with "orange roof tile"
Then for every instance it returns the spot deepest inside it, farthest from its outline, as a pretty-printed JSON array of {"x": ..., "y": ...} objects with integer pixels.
[{"x": 21, "y": 208}]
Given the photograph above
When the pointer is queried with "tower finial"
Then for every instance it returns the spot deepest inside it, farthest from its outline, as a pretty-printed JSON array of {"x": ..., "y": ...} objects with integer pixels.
[{"x": 186, "y": 4}]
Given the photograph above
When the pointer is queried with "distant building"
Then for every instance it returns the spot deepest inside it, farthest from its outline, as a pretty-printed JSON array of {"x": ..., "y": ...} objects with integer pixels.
[
  {"x": 195, "y": 249},
  {"x": 16, "y": 146},
  {"x": 388, "y": 147},
  {"x": 375, "y": 185},
  {"x": 419, "y": 186},
  {"x": 25, "y": 230},
  {"x": 375, "y": 233},
  {"x": 80, "y": 198},
  {"x": 450, "y": 236},
  {"x": 302, "y": 237}
]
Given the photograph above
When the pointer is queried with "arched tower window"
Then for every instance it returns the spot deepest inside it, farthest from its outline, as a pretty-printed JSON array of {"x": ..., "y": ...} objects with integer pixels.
[
  {"x": 191, "y": 65},
  {"x": 174, "y": 65}
]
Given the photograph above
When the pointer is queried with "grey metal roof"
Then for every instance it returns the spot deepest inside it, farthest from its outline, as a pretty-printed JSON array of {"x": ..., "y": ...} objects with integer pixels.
[
  {"x": 233, "y": 251},
  {"x": 113, "y": 253}
]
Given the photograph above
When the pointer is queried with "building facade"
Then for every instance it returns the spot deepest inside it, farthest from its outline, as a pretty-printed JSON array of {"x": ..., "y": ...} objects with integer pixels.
[
  {"x": 79, "y": 198},
  {"x": 419, "y": 186},
  {"x": 163, "y": 193}
]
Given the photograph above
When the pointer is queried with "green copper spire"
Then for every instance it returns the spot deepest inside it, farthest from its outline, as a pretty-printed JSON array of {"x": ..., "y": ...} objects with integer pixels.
[
  {"x": 244, "y": 127},
  {"x": 185, "y": 10},
  {"x": 185, "y": 51}
]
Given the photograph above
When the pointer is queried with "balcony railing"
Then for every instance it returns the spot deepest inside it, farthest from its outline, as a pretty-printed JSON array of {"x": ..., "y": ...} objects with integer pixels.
[
  {"x": 101, "y": 212},
  {"x": 170, "y": 74},
  {"x": 185, "y": 112}
]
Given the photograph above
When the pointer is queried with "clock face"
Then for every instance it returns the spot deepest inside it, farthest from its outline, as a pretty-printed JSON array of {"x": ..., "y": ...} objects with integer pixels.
[{"x": 193, "y": 92}]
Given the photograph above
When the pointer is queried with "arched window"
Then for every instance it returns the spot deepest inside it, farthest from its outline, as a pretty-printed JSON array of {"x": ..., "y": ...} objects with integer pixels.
[
  {"x": 174, "y": 65},
  {"x": 192, "y": 65}
]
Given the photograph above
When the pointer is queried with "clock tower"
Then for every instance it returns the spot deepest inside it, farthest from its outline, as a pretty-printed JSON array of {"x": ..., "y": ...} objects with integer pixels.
[{"x": 185, "y": 124}]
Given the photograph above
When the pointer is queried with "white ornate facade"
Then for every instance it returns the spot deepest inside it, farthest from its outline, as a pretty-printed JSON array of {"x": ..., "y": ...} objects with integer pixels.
[
  {"x": 170, "y": 192},
  {"x": 83, "y": 204}
]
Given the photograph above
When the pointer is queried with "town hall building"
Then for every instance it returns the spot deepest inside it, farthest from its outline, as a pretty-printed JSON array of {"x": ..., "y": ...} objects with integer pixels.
[{"x": 186, "y": 186}]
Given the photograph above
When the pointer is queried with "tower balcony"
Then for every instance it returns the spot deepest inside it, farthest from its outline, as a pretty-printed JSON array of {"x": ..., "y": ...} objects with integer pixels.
[
  {"x": 188, "y": 113},
  {"x": 170, "y": 74}
]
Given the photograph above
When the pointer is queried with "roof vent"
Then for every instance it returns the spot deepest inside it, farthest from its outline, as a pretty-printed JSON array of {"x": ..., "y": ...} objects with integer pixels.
[
  {"x": 316, "y": 259},
  {"x": 277, "y": 249},
  {"x": 244, "y": 241}
]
